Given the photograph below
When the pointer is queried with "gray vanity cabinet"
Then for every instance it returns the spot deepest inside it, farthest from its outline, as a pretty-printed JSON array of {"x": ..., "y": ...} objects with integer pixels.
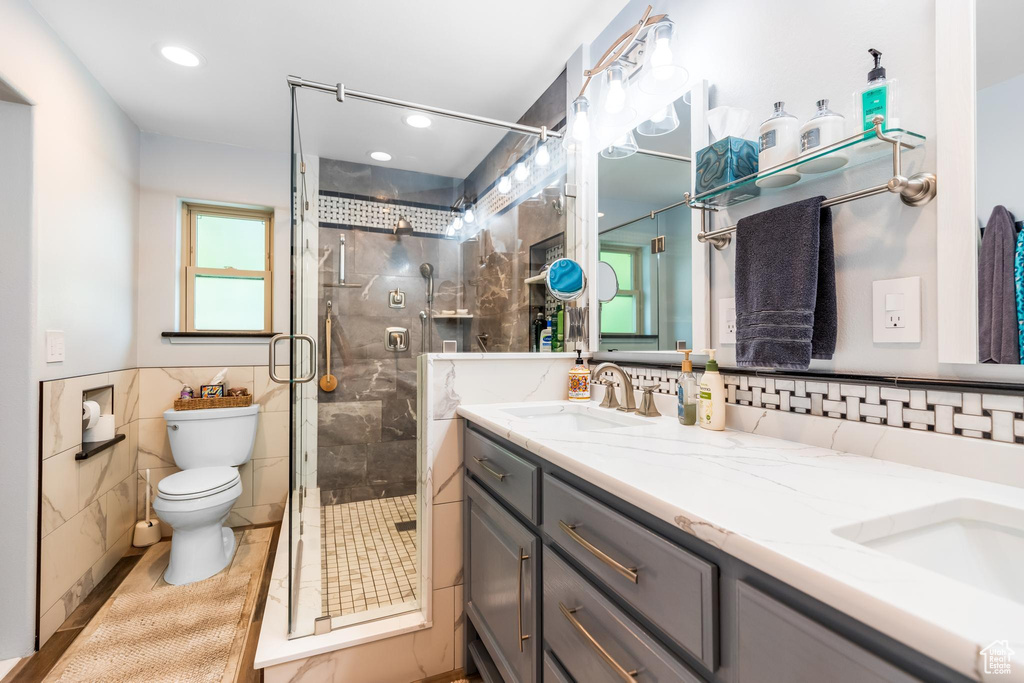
[
  {"x": 604, "y": 592},
  {"x": 502, "y": 585},
  {"x": 776, "y": 644}
]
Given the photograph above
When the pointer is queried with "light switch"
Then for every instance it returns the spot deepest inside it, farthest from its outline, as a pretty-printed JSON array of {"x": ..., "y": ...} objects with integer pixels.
[
  {"x": 896, "y": 311},
  {"x": 54, "y": 346},
  {"x": 726, "y": 321}
]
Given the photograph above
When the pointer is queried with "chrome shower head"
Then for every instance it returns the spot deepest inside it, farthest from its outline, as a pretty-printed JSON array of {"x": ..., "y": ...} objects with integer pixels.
[{"x": 402, "y": 226}]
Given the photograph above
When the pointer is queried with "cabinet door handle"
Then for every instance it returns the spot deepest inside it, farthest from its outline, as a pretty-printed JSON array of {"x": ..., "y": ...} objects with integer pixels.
[
  {"x": 519, "y": 601},
  {"x": 618, "y": 668},
  {"x": 629, "y": 572},
  {"x": 490, "y": 470}
]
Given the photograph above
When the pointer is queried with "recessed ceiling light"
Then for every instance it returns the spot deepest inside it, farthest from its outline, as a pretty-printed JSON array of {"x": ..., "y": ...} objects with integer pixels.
[
  {"x": 418, "y": 121},
  {"x": 180, "y": 55},
  {"x": 600, "y": 215},
  {"x": 380, "y": 156}
]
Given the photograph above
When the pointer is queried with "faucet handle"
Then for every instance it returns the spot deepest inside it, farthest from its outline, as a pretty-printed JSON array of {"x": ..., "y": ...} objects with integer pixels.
[
  {"x": 609, "y": 400},
  {"x": 647, "y": 407}
]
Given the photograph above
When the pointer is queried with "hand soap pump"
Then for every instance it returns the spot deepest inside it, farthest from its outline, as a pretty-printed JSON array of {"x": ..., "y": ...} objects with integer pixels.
[
  {"x": 687, "y": 392},
  {"x": 579, "y": 380},
  {"x": 879, "y": 97},
  {"x": 712, "y": 395}
]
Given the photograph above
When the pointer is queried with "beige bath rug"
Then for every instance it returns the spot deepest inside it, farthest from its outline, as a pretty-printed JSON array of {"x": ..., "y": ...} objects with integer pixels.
[{"x": 177, "y": 633}]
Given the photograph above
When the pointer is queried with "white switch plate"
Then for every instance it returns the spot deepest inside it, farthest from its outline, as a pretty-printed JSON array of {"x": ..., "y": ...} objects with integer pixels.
[
  {"x": 54, "y": 346},
  {"x": 726, "y": 321},
  {"x": 896, "y": 311}
]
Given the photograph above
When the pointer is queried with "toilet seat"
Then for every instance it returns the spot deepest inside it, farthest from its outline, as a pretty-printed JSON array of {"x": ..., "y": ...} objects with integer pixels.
[{"x": 197, "y": 483}]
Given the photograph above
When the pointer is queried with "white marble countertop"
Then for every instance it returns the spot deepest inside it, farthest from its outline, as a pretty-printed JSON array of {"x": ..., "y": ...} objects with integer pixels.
[{"x": 774, "y": 504}]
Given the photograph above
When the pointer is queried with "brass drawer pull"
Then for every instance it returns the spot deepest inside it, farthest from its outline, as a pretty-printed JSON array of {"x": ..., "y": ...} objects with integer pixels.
[
  {"x": 618, "y": 668},
  {"x": 629, "y": 572},
  {"x": 490, "y": 470},
  {"x": 519, "y": 602}
]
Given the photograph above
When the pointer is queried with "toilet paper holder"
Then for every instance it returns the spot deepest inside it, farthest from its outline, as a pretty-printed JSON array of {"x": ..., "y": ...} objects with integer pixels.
[{"x": 98, "y": 423}]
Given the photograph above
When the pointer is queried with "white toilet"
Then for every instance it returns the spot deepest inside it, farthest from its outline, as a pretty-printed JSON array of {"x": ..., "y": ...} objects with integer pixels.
[{"x": 208, "y": 445}]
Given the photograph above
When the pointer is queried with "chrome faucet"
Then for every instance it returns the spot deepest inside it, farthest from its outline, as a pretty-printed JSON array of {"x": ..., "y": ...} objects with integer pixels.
[{"x": 627, "y": 384}]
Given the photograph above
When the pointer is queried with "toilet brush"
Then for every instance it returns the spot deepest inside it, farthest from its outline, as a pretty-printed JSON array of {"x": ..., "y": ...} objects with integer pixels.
[{"x": 147, "y": 532}]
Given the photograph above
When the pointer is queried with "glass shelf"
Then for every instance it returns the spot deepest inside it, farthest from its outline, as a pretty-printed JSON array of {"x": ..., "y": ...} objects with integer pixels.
[{"x": 856, "y": 152}]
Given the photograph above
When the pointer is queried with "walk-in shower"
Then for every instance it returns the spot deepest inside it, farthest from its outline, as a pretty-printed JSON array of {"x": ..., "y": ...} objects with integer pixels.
[{"x": 405, "y": 266}]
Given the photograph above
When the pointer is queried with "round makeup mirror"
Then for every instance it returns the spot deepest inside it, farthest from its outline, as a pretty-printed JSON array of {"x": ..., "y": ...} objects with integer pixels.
[
  {"x": 566, "y": 280},
  {"x": 607, "y": 282}
]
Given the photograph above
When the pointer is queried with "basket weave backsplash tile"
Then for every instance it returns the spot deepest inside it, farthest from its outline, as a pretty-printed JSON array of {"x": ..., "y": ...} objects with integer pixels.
[{"x": 999, "y": 417}]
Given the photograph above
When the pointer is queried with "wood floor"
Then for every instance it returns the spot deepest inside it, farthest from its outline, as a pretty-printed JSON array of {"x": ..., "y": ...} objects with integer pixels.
[{"x": 141, "y": 570}]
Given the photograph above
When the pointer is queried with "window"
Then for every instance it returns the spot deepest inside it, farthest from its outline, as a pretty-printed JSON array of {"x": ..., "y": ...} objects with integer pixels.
[
  {"x": 622, "y": 314},
  {"x": 226, "y": 273}
]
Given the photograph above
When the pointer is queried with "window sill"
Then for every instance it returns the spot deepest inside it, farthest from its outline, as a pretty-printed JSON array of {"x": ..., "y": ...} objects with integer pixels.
[{"x": 217, "y": 337}]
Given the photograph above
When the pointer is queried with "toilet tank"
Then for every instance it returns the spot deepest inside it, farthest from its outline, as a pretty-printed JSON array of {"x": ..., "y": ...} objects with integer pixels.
[{"x": 212, "y": 437}]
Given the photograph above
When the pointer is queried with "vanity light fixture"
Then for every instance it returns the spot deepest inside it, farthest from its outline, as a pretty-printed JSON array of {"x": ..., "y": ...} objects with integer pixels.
[
  {"x": 600, "y": 214},
  {"x": 181, "y": 56},
  {"x": 623, "y": 146},
  {"x": 616, "y": 108},
  {"x": 543, "y": 156},
  {"x": 380, "y": 156},
  {"x": 661, "y": 74},
  {"x": 505, "y": 185},
  {"x": 469, "y": 216},
  {"x": 579, "y": 127},
  {"x": 665, "y": 120},
  {"x": 522, "y": 171},
  {"x": 418, "y": 121}
]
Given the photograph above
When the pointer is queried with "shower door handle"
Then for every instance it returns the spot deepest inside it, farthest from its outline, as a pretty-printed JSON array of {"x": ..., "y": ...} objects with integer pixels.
[{"x": 273, "y": 362}]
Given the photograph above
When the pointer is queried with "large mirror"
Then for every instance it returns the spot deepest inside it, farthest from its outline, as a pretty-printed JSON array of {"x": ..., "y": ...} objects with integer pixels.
[
  {"x": 981, "y": 215},
  {"x": 645, "y": 234}
]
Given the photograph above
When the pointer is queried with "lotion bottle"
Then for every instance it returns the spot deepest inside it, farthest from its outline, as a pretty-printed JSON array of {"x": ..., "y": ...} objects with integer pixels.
[
  {"x": 579, "y": 380},
  {"x": 711, "y": 411},
  {"x": 779, "y": 143},
  {"x": 545, "y": 337}
]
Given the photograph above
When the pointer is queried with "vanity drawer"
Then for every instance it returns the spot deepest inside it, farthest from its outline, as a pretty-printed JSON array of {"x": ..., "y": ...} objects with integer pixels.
[
  {"x": 553, "y": 671},
  {"x": 513, "y": 479},
  {"x": 594, "y": 640},
  {"x": 674, "y": 589},
  {"x": 775, "y": 644}
]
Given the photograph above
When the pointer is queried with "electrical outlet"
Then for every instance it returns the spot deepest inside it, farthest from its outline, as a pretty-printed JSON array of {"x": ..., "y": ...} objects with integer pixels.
[
  {"x": 726, "y": 321},
  {"x": 896, "y": 311}
]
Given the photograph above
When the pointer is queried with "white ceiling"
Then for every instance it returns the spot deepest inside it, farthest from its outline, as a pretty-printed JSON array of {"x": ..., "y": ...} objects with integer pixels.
[
  {"x": 489, "y": 58},
  {"x": 1000, "y": 49}
]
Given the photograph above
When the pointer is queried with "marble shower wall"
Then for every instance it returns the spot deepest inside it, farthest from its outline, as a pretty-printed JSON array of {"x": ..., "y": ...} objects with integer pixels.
[
  {"x": 87, "y": 507},
  {"x": 366, "y": 437}
]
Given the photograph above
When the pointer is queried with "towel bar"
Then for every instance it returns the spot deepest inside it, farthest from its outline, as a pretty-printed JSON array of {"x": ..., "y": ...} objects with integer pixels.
[{"x": 917, "y": 190}]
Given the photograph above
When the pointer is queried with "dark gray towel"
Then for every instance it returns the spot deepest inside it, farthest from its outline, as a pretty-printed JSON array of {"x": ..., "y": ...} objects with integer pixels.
[
  {"x": 785, "y": 287},
  {"x": 997, "y": 306}
]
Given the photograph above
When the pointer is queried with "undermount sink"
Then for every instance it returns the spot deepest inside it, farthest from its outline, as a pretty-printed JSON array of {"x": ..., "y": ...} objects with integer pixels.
[
  {"x": 572, "y": 418},
  {"x": 972, "y": 541}
]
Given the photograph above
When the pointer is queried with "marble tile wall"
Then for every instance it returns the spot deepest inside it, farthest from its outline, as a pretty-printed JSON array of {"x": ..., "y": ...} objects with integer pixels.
[
  {"x": 87, "y": 507},
  {"x": 366, "y": 436}
]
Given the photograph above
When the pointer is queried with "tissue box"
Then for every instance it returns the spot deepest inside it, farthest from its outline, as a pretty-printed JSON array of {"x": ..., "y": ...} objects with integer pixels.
[{"x": 724, "y": 161}]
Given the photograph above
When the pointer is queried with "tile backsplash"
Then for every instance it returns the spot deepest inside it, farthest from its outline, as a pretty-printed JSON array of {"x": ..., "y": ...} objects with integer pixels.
[
  {"x": 970, "y": 414},
  {"x": 89, "y": 507}
]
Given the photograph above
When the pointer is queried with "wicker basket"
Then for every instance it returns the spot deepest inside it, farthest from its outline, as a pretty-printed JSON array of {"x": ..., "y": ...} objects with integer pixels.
[{"x": 221, "y": 402}]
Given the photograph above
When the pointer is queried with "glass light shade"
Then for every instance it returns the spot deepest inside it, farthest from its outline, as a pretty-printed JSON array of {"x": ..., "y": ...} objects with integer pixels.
[
  {"x": 665, "y": 120},
  {"x": 457, "y": 223},
  {"x": 522, "y": 171},
  {"x": 662, "y": 74},
  {"x": 616, "y": 109},
  {"x": 579, "y": 123},
  {"x": 623, "y": 146},
  {"x": 504, "y": 185},
  {"x": 469, "y": 216},
  {"x": 543, "y": 156}
]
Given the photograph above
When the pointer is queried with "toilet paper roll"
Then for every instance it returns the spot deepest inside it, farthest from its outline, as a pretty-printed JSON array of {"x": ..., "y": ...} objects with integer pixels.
[
  {"x": 103, "y": 430},
  {"x": 90, "y": 414}
]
